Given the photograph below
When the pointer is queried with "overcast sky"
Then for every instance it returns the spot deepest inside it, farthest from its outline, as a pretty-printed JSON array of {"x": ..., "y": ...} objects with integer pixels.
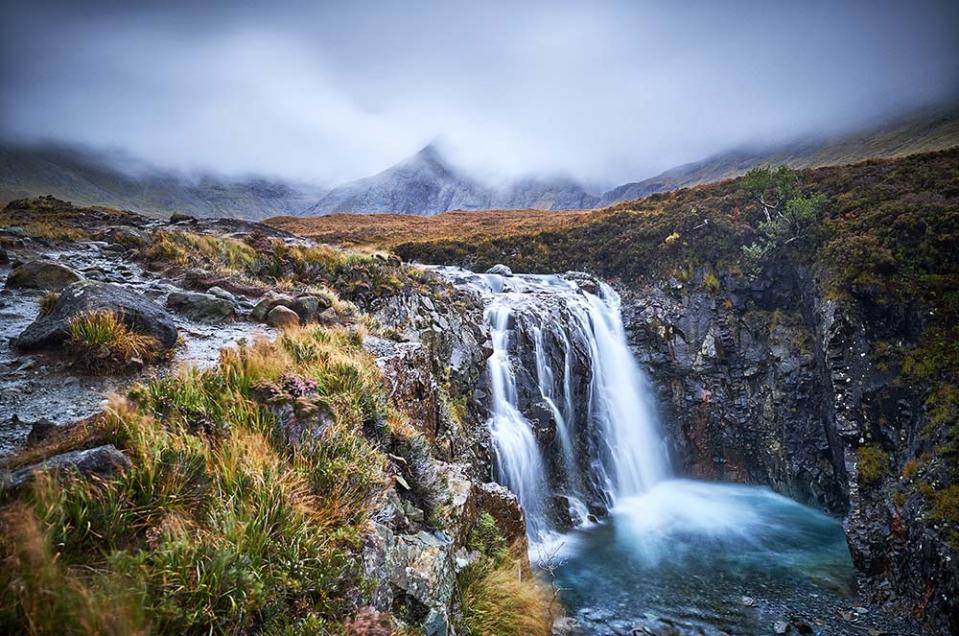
[{"x": 604, "y": 92}]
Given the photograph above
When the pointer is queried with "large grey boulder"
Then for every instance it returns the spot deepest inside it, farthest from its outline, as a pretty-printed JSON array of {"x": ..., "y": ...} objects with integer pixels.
[
  {"x": 219, "y": 292},
  {"x": 126, "y": 236},
  {"x": 102, "y": 460},
  {"x": 42, "y": 274},
  {"x": 137, "y": 312},
  {"x": 203, "y": 307}
]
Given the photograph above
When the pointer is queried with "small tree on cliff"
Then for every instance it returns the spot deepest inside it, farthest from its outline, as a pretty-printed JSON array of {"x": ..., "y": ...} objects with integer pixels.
[{"x": 789, "y": 214}]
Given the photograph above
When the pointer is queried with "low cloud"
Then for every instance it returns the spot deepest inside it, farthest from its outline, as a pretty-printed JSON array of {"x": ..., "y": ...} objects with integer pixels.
[{"x": 602, "y": 92}]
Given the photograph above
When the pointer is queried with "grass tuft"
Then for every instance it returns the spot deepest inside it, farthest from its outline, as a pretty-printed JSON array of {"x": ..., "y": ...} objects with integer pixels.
[
  {"x": 100, "y": 341},
  {"x": 873, "y": 463},
  {"x": 47, "y": 301},
  {"x": 498, "y": 599},
  {"x": 498, "y": 596}
]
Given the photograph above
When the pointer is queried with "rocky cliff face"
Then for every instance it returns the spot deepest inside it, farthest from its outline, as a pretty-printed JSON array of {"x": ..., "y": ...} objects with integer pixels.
[{"x": 768, "y": 381}]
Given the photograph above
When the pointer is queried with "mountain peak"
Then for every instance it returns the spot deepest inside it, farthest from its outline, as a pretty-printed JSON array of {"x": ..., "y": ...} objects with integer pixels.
[{"x": 430, "y": 154}]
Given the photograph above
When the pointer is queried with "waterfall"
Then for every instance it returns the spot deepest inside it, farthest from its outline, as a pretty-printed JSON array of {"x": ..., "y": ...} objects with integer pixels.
[{"x": 571, "y": 414}]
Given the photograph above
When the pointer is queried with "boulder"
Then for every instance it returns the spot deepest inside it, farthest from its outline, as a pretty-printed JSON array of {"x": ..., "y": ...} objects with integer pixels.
[
  {"x": 500, "y": 270},
  {"x": 219, "y": 292},
  {"x": 104, "y": 461},
  {"x": 4, "y": 259},
  {"x": 137, "y": 312},
  {"x": 308, "y": 306},
  {"x": 42, "y": 274},
  {"x": 179, "y": 217},
  {"x": 203, "y": 307},
  {"x": 282, "y": 317},
  {"x": 125, "y": 235},
  {"x": 41, "y": 430},
  {"x": 267, "y": 303}
]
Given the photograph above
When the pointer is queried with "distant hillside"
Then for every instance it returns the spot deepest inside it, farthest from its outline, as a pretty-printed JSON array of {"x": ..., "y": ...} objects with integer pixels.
[
  {"x": 924, "y": 131},
  {"x": 85, "y": 178}
]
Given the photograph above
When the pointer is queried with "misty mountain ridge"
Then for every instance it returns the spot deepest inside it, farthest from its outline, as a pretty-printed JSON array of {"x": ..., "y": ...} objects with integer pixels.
[
  {"x": 85, "y": 177},
  {"x": 426, "y": 183}
]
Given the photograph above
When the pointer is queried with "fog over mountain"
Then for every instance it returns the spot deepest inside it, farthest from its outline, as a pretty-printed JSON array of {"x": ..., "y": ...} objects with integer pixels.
[
  {"x": 327, "y": 93},
  {"x": 426, "y": 183}
]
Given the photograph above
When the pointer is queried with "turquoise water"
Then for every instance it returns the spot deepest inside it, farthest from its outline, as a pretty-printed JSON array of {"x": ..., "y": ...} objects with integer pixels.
[{"x": 711, "y": 558}]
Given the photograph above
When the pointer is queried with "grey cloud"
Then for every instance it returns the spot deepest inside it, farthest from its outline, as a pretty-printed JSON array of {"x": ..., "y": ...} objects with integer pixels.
[{"x": 605, "y": 92}]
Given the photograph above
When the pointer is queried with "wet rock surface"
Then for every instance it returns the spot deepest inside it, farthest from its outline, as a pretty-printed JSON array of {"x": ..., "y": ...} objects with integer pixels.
[
  {"x": 42, "y": 274},
  {"x": 102, "y": 460},
  {"x": 42, "y": 384},
  {"x": 203, "y": 307},
  {"x": 282, "y": 317}
]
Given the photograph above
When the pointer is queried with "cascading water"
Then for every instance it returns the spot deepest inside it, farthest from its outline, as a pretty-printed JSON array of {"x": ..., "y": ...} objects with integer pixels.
[
  {"x": 575, "y": 435},
  {"x": 519, "y": 462},
  {"x": 610, "y": 449}
]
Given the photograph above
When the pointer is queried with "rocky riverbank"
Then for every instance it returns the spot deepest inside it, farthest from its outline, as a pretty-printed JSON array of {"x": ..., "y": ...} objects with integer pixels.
[{"x": 353, "y": 376}]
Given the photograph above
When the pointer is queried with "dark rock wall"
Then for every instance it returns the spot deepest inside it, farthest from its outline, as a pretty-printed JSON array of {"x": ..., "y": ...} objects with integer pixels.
[{"x": 768, "y": 381}]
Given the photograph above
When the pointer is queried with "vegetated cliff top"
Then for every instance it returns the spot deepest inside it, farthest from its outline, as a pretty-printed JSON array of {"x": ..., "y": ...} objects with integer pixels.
[
  {"x": 385, "y": 231},
  {"x": 881, "y": 220}
]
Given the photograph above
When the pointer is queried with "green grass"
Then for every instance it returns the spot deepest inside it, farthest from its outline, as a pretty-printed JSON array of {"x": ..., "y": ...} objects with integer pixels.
[
  {"x": 873, "y": 463},
  {"x": 223, "y": 523}
]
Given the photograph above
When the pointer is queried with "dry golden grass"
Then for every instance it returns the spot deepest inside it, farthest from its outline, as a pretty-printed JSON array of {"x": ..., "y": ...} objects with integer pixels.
[
  {"x": 382, "y": 231},
  {"x": 51, "y": 598},
  {"x": 502, "y": 599},
  {"x": 221, "y": 524},
  {"x": 100, "y": 341}
]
